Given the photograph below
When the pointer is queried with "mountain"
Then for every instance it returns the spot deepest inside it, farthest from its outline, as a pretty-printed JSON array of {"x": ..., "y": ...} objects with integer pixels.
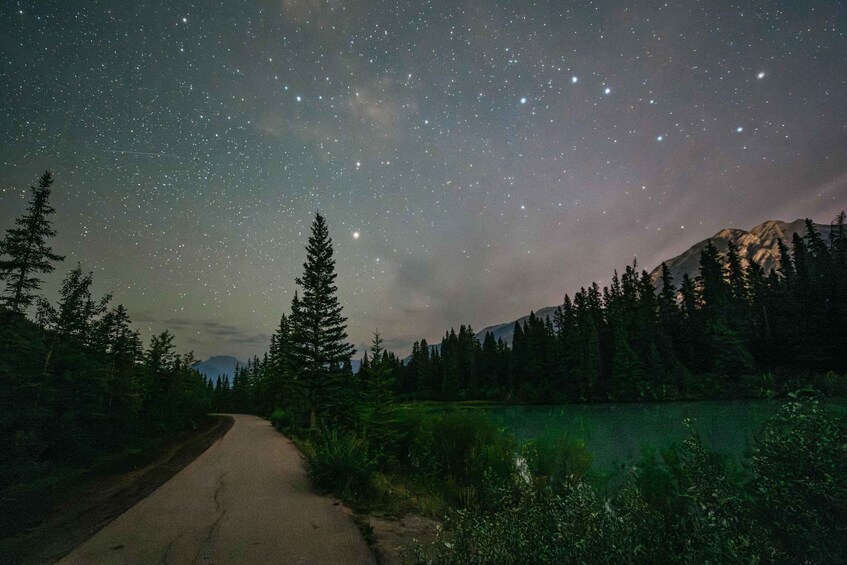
[
  {"x": 219, "y": 365},
  {"x": 758, "y": 245}
]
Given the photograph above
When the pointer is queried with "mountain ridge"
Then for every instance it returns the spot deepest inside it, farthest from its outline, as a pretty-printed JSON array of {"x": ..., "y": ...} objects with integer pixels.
[
  {"x": 759, "y": 244},
  {"x": 219, "y": 366}
]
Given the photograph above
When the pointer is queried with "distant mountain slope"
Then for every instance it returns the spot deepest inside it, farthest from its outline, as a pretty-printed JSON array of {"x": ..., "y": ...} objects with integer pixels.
[
  {"x": 758, "y": 245},
  {"x": 219, "y": 365}
]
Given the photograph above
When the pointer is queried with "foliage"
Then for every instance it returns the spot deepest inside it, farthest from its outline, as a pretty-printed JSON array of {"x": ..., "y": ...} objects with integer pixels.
[
  {"x": 471, "y": 454},
  {"x": 556, "y": 460},
  {"x": 76, "y": 387},
  {"x": 799, "y": 463},
  {"x": 281, "y": 420},
  {"x": 318, "y": 331},
  {"x": 684, "y": 505},
  {"x": 340, "y": 461},
  {"x": 26, "y": 250},
  {"x": 626, "y": 342}
]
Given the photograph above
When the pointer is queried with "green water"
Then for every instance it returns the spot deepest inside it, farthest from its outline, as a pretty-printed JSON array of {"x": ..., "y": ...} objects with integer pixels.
[{"x": 615, "y": 434}]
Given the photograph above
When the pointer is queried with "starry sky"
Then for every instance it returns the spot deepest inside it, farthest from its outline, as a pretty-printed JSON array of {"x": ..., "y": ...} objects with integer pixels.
[{"x": 475, "y": 159}]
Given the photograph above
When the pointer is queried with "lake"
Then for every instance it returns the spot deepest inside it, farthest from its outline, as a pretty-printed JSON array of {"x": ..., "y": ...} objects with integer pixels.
[{"x": 616, "y": 433}]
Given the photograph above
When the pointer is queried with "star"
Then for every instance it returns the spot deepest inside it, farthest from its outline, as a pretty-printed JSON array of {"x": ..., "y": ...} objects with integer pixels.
[
  {"x": 356, "y": 235},
  {"x": 761, "y": 75},
  {"x": 607, "y": 91},
  {"x": 574, "y": 80},
  {"x": 523, "y": 100}
]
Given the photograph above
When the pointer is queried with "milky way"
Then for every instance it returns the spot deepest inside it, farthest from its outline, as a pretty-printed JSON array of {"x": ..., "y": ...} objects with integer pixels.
[{"x": 474, "y": 160}]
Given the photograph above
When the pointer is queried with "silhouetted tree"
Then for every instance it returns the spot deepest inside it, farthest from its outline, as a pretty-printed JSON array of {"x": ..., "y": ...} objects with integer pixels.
[{"x": 25, "y": 249}]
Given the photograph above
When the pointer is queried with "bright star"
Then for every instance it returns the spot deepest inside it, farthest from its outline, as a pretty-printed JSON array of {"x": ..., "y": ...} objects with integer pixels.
[
  {"x": 739, "y": 129},
  {"x": 761, "y": 75},
  {"x": 299, "y": 98},
  {"x": 185, "y": 20},
  {"x": 523, "y": 100},
  {"x": 574, "y": 79},
  {"x": 660, "y": 138},
  {"x": 355, "y": 235},
  {"x": 608, "y": 90}
]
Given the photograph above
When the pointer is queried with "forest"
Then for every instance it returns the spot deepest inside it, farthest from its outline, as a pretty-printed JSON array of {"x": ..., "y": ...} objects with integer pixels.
[
  {"x": 732, "y": 331},
  {"x": 78, "y": 387}
]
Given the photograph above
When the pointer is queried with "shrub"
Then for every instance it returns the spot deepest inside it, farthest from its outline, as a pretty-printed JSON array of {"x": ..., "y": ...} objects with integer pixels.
[
  {"x": 339, "y": 461},
  {"x": 540, "y": 526},
  {"x": 555, "y": 459},
  {"x": 281, "y": 419},
  {"x": 715, "y": 524},
  {"x": 472, "y": 453},
  {"x": 799, "y": 467},
  {"x": 414, "y": 442}
]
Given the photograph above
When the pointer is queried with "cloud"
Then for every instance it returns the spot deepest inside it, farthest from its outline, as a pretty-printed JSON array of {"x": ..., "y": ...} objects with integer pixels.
[{"x": 207, "y": 328}]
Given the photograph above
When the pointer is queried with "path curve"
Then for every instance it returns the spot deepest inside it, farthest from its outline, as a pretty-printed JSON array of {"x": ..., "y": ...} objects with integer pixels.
[{"x": 246, "y": 500}]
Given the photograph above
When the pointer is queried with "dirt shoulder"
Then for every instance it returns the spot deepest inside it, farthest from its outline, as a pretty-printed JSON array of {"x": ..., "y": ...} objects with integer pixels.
[{"x": 98, "y": 500}]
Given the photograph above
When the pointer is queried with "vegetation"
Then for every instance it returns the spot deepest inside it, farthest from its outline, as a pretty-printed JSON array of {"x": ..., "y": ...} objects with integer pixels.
[
  {"x": 538, "y": 502},
  {"x": 26, "y": 250},
  {"x": 686, "y": 506},
  {"x": 76, "y": 385},
  {"x": 705, "y": 338}
]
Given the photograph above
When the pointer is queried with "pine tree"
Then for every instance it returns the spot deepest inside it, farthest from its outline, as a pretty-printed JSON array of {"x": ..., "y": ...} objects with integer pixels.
[
  {"x": 736, "y": 274},
  {"x": 282, "y": 385},
  {"x": 379, "y": 398},
  {"x": 319, "y": 333},
  {"x": 26, "y": 249}
]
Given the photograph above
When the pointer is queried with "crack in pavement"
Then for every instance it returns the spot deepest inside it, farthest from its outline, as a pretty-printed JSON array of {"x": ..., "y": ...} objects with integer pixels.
[{"x": 213, "y": 528}]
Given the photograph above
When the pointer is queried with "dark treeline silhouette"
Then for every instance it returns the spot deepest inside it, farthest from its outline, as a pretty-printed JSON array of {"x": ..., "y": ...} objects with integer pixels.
[
  {"x": 733, "y": 330},
  {"x": 76, "y": 383},
  {"x": 705, "y": 337}
]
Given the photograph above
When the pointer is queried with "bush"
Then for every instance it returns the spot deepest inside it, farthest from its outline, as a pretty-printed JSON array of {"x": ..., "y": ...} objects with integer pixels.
[
  {"x": 340, "y": 462},
  {"x": 281, "y": 419},
  {"x": 715, "y": 524},
  {"x": 799, "y": 467},
  {"x": 555, "y": 459},
  {"x": 472, "y": 454},
  {"x": 414, "y": 442},
  {"x": 540, "y": 526}
]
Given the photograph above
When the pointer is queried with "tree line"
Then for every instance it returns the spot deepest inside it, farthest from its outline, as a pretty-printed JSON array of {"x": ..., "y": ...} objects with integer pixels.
[
  {"x": 706, "y": 337},
  {"x": 76, "y": 382},
  {"x": 732, "y": 330}
]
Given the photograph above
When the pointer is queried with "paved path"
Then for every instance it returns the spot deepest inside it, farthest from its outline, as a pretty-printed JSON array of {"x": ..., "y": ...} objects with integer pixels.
[{"x": 245, "y": 500}]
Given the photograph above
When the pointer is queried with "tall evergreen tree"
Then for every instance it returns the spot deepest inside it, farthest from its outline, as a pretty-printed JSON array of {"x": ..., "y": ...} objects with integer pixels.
[
  {"x": 319, "y": 331},
  {"x": 379, "y": 397},
  {"x": 26, "y": 250}
]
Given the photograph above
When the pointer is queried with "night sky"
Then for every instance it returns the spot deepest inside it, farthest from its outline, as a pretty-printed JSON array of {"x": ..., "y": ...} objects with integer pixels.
[{"x": 474, "y": 159}]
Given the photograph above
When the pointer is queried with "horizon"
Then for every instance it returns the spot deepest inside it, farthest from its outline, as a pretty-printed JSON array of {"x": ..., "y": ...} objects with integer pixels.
[{"x": 472, "y": 166}]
